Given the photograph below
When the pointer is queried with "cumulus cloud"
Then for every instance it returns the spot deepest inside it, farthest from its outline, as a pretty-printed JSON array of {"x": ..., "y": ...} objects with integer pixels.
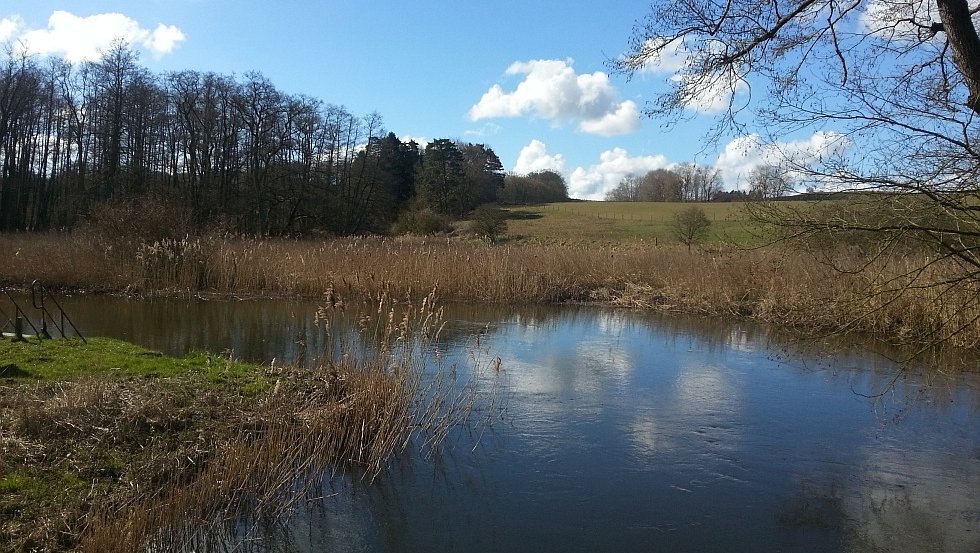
[
  {"x": 79, "y": 39},
  {"x": 710, "y": 95},
  {"x": 624, "y": 120},
  {"x": 593, "y": 182},
  {"x": 551, "y": 89},
  {"x": 673, "y": 57},
  {"x": 9, "y": 27},
  {"x": 745, "y": 153},
  {"x": 535, "y": 157}
]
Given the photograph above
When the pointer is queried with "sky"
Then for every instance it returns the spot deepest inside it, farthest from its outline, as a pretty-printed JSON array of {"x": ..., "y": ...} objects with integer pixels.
[{"x": 531, "y": 79}]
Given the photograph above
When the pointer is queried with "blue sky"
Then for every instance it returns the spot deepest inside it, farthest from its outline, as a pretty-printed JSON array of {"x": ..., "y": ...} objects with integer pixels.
[{"x": 530, "y": 79}]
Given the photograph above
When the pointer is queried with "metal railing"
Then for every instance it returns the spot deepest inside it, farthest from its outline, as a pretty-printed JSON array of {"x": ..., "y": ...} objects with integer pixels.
[{"x": 42, "y": 316}]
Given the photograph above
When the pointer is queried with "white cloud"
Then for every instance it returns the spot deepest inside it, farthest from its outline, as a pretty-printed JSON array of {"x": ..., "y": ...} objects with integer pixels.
[
  {"x": 551, "y": 89},
  {"x": 79, "y": 39},
  {"x": 624, "y": 120},
  {"x": 535, "y": 157},
  {"x": 671, "y": 59},
  {"x": 710, "y": 95},
  {"x": 164, "y": 39},
  {"x": 9, "y": 26},
  {"x": 893, "y": 18},
  {"x": 594, "y": 182},
  {"x": 745, "y": 153},
  {"x": 420, "y": 140}
]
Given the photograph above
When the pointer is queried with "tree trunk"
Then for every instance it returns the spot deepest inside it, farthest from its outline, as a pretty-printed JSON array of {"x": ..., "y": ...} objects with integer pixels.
[{"x": 963, "y": 39}]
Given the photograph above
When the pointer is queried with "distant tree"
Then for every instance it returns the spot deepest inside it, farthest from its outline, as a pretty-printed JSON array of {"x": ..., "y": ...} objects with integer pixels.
[
  {"x": 626, "y": 191},
  {"x": 661, "y": 185},
  {"x": 441, "y": 177},
  {"x": 533, "y": 188},
  {"x": 768, "y": 181},
  {"x": 484, "y": 176},
  {"x": 698, "y": 182},
  {"x": 685, "y": 182},
  {"x": 690, "y": 225},
  {"x": 731, "y": 196}
]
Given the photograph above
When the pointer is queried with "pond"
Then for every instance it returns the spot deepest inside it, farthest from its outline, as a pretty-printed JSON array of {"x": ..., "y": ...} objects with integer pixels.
[{"x": 625, "y": 431}]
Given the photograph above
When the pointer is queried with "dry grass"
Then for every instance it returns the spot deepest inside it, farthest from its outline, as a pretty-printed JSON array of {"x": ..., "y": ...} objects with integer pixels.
[
  {"x": 788, "y": 287},
  {"x": 175, "y": 464}
]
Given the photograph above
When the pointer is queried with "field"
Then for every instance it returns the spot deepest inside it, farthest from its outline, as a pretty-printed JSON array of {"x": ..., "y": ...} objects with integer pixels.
[{"x": 617, "y": 222}]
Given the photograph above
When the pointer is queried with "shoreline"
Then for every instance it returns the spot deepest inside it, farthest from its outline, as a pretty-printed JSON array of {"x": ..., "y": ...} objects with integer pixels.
[{"x": 787, "y": 288}]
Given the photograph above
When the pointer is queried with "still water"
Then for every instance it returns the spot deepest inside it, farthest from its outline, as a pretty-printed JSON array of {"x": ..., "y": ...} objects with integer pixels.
[{"x": 623, "y": 431}]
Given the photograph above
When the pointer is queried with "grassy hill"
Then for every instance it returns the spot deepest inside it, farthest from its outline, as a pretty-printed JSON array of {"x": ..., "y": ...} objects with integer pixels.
[{"x": 624, "y": 222}]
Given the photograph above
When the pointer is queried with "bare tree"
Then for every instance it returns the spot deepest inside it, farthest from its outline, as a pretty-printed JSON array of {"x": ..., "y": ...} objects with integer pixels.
[
  {"x": 690, "y": 225},
  {"x": 768, "y": 181},
  {"x": 628, "y": 190},
  {"x": 661, "y": 185},
  {"x": 698, "y": 182},
  {"x": 891, "y": 91}
]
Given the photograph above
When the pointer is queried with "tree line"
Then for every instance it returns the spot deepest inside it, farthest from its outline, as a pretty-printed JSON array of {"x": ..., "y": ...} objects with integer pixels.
[
  {"x": 233, "y": 151},
  {"x": 688, "y": 182}
]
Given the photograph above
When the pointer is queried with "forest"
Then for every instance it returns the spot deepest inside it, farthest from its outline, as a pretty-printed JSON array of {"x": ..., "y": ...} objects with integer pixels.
[{"x": 225, "y": 152}]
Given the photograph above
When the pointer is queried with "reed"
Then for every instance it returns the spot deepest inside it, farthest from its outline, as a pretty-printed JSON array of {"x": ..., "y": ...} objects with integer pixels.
[
  {"x": 791, "y": 288},
  {"x": 179, "y": 464}
]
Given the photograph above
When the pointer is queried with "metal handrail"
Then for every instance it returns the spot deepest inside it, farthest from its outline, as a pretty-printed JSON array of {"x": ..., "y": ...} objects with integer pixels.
[
  {"x": 38, "y": 295},
  {"x": 18, "y": 315}
]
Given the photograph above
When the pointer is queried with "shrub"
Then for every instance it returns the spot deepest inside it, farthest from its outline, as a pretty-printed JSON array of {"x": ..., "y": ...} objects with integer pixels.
[
  {"x": 422, "y": 222},
  {"x": 488, "y": 222}
]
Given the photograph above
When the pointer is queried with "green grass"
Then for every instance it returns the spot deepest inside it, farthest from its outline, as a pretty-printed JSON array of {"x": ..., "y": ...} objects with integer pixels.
[
  {"x": 66, "y": 358},
  {"x": 624, "y": 222}
]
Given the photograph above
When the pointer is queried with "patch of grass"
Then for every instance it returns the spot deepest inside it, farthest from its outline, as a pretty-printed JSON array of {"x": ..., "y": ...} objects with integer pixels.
[
  {"x": 623, "y": 222},
  {"x": 17, "y": 483},
  {"x": 67, "y": 358}
]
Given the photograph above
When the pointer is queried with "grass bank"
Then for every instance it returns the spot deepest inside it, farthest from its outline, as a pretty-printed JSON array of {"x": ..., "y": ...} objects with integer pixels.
[{"x": 109, "y": 447}]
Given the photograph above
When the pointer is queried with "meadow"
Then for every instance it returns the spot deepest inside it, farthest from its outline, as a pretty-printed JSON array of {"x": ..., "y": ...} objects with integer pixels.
[{"x": 618, "y": 222}]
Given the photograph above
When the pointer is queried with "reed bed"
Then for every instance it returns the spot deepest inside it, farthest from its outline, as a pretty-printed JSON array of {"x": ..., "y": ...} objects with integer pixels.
[
  {"x": 171, "y": 465},
  {"x": 788, "y": 287}
]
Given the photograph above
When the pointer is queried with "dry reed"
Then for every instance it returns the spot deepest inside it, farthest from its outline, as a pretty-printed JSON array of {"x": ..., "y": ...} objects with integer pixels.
[{"x": 787, "y": 287}]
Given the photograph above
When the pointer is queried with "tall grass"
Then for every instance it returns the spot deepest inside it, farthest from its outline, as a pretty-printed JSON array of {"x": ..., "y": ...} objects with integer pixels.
[
  {"x": 171, "y": 465},
  {"x": 776, "y": 285}
]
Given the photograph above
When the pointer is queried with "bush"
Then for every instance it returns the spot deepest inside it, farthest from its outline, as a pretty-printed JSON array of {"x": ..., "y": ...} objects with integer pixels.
[
  {"x": 421, "y": 221},
  {"x": 488, "y": 222}
]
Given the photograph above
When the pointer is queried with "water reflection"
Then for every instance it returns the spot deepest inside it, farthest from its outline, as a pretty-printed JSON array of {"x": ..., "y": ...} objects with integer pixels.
[{"x": 634, "y": 432}]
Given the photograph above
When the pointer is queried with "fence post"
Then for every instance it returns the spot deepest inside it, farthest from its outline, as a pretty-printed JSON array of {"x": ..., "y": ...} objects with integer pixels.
[{"x": 19, "y": 329}]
